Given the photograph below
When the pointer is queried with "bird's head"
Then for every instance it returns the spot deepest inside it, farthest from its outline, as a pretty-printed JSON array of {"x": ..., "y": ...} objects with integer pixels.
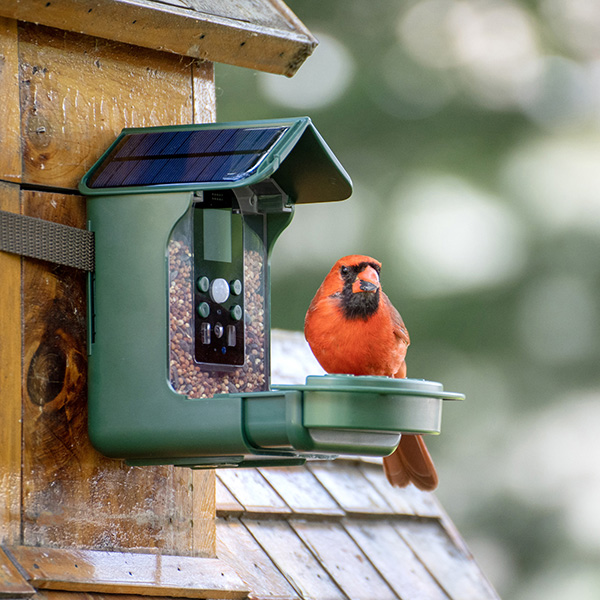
[{"x": 355, "y": 281}]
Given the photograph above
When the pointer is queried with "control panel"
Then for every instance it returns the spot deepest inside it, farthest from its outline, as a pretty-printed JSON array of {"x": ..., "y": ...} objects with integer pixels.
[{"x": 218, "y": 280}]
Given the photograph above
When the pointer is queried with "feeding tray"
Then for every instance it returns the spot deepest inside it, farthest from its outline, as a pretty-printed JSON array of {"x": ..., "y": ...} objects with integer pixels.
[
  {"x": 345, "y": 414},
  {"x": 185, "y": 219}
]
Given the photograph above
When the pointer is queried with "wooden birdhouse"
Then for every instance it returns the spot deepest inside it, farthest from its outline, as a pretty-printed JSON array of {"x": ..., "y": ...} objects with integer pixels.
[{"x": 73, "y": 75}]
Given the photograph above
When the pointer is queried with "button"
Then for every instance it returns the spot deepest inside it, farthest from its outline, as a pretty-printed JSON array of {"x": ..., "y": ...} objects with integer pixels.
[
  {"x": 236, "y": 312},
  {"x": 205, "y": 332},
  {"x": 204, "y": 309},
  {"x": 219, "y": 330},
  {"x": 236, "y": 287},
  {"x": 231, "y": 335},
  {"x": 203, "y": 284},
  {"x": 219, "y": 290}
]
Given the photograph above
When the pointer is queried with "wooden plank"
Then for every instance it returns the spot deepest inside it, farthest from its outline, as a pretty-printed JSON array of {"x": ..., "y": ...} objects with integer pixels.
[
  {"x": 343, "y": 560},
  {"x": 205, "y": 101},
  {"x": 456, "y": 572},
  {"x": 226, "y": 504},
  {"x": 12, "y": 583},
  {"x": 204, "y": 534},
  {"x": 77, "y": 93},
  {"x": 253, "y": 492},
  {"x": 129, "y": 573},
  {"x": 73, "y": 496},
  {"x": 262, "y": 34},
  {"x": 301, "y": 491},
  {"x": 62, "y": 595},
  {"x": 10, "y": 122},
  {"x": 394, "y": 560},
  {"x": 424, "y": 504},
  {"x": 293, "y": 558},
  {"x": 345, "y": 482},
  {"x": 240, "y": 550},
  {"x": 10, "y": 381},
  {"x": 405, "y": 501}
]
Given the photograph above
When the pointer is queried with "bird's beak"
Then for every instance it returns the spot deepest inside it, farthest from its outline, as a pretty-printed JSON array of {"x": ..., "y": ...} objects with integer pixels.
[{"x": 367, "y": 281}]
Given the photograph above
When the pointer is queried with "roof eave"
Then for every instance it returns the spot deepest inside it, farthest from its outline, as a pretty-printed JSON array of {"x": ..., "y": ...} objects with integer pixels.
[{"x": 276, "y": 46}]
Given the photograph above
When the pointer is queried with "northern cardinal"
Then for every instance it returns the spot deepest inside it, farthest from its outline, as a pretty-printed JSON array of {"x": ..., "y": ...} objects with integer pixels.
[{"x": 352, "y": 327}]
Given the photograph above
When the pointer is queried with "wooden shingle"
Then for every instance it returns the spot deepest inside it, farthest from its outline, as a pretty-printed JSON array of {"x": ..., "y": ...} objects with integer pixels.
[
  {"x": 350, "y": 488},
  {"x": 455, "y": 570},
  {"x": 294, "y": 558},
  {"x": 237, "y": 547},
  {"x": 302, "y": 492},
  {"x": 344, "y": 560},
  {"x": 358, "y": 538},
  {"x": 253, "y": 491},
  {"x": 394, "y": 559}
]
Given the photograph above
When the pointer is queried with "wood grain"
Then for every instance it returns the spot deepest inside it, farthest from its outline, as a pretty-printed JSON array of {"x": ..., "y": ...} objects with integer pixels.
[
  {"x": 73, "y": 496},
  {"x": 131, "y": 573},
  {"x": 343, "y": 560},
  {"x": 253, "y": 491},
  {"x": 10, "y": 381},
  {"x": 391, "y": 556},
  {"x": 349, "y": 488},
  {"x": 456, "y": 572},
  {"x": 10, "y": 125},
  {"x": 293, "y": 558},
  {"x": 12, "y": 583},
  {"x": 226, "y": 504},
  {"x": 408, "y": 500},
  {"x": 77, "y": 93},
  {"x": 301, "y": 491},
  {"x": 205, "y": 101},
  {"x": 263, "y": 34},
  {"x": 240, "y": 550},
  {"x": 203, "y": 499}
]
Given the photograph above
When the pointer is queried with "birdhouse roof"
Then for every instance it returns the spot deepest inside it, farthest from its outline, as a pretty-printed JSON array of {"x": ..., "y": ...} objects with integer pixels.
[
  {"x": 221, "y": 156},
  {"x": 262, "y": 34},
  {"x": 339, "y": 530}
]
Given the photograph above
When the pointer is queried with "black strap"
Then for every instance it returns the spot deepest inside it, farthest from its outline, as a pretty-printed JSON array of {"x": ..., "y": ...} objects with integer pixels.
[{"x": 45, "y": 240}]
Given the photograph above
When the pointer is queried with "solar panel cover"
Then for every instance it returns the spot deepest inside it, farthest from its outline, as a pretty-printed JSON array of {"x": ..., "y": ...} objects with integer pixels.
[{"x": 192, "y": 156}]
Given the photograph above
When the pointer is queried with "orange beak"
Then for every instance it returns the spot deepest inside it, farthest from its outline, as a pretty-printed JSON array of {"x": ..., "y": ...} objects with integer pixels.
[{"x": 367, "y": 281}]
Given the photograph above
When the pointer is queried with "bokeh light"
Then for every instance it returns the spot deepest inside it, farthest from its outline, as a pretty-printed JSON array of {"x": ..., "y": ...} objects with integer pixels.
[
  {"x": 320, "y": 82},
  {"x": 453, "y": 237},
  {"x": 471, "y": 129}
]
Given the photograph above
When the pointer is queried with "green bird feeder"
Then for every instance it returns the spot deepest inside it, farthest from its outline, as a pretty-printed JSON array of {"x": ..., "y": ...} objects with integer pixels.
[{"x": 185, "y": 219}]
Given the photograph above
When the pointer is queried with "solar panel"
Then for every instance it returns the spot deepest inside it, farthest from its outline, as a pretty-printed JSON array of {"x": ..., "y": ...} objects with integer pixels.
[{"x": 197, "y": 156}]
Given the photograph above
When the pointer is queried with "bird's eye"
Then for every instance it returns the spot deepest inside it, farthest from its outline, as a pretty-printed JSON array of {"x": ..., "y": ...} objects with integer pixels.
[{"x": 344, "y": 270}]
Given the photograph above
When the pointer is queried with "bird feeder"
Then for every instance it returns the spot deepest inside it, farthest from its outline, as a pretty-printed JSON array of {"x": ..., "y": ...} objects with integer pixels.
[{"x": 185, "y": 219}]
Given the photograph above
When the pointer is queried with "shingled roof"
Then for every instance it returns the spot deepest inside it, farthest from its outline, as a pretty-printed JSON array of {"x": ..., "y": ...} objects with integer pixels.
[{"x": 337, "y": 529}]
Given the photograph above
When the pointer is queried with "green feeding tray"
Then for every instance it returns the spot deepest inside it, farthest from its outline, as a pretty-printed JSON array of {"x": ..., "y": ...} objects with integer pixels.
[
  {"x": 185, "y": 219},
  {"x": 345, "y": 414}
]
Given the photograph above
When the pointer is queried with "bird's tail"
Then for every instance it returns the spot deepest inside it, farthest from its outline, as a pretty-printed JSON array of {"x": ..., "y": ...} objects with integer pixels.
[{"x": 411, "y": 463}]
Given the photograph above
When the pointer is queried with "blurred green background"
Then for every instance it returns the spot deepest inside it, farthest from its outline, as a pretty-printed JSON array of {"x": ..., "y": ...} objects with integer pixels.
[{"x": 471, "y": 130}]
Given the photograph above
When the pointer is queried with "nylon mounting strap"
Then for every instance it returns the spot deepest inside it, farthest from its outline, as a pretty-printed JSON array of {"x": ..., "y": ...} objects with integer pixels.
[{"x": 46, "y": 240}]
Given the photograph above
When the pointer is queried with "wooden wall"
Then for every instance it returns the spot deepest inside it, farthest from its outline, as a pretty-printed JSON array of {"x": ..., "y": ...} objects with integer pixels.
[{"x": 65, "y": 97}]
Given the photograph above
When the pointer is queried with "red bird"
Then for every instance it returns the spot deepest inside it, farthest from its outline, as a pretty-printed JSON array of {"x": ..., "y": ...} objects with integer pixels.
[{"x": 353, "y": 328}]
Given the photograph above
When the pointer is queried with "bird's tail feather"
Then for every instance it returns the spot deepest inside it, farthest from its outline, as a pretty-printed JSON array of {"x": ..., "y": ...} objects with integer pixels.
[{"x": 411, "y": 462}]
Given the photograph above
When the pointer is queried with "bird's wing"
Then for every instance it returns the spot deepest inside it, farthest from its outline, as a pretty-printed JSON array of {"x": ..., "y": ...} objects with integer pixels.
[{"x": 400, "y": 330}]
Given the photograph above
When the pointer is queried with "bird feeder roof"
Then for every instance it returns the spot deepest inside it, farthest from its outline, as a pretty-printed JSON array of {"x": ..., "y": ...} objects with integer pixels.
[
  {"x": 263, "y": 34},
  {"x": 221, "y": 156},
  {"x": 338, "y": 530}
]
